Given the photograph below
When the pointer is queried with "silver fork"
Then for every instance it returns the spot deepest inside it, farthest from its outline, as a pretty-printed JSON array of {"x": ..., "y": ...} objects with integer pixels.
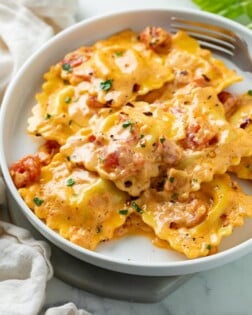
[{"x": 217, "y": 38}]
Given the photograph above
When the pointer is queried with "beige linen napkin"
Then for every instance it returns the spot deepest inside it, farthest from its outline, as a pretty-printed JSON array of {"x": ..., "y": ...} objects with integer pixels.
[{"x": 24, "y": 262}]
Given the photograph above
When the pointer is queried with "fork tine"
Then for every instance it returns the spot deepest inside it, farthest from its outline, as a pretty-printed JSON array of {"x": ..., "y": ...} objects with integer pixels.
[
  {"x": 209, "y": 41},
  {"x": 217, "y": 48},
  {"x": 208, "y": 34},
  {"x": 216, "y": 38},
  {"x": 217, "y": 29}
]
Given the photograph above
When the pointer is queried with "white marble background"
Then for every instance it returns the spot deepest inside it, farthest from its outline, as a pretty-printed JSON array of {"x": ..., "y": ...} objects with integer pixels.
[{"x": 222, "y": 291}]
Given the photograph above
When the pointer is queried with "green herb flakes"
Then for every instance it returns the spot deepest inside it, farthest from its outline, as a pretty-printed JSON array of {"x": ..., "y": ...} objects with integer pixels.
[
  {"x": 250, "y": 92},
  {"x": 67, "y": 67},
  {"x": 171, "y": 179},
  {"x": 118, "y": 53},
  {"x": 123, "y": 211},
  {"x": 68, "y": 100},
  {"x": 127, "y": 123},
  {"x": 135, "y": 206},
  {"x": 70, "y": 182},
  {"x": 38, "y": 202},
  {"x": 209, "y": 246},
  {"x": 106, "y": 85}
]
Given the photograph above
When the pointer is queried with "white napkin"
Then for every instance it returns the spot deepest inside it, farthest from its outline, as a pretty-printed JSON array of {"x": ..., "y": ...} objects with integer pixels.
[
  {"x": 67, "y": 309},
  {"x": 23, "y": 30},
  {"x": 24, "y": 270},
  {"x": 24, "y": 262}
]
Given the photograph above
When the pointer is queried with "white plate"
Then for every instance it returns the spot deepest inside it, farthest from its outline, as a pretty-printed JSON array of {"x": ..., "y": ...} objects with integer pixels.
[{"x": 133, "y": 255}]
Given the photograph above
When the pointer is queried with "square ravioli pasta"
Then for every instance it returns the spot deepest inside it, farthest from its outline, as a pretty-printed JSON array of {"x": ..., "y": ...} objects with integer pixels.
[{"x": 139, "y": 134}]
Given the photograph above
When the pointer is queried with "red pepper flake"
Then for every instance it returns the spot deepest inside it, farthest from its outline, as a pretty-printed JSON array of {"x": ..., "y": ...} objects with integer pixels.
[
  {"x": 245, "y": 123},
  {"x": 129, "y": 104},
  {"x": 136, "y": 87},
  {"x": 148, "y": 113},
  {"x": 128, "y": 183},
  {"x": 206, "y": 77}
]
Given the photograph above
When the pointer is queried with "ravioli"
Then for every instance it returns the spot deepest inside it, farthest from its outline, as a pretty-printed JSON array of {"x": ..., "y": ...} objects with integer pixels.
[
  {"x": 111, "y": 72},
  {"x": 130, "y": 146},
  {"x": 242, "y": 118},
  {"x": 75, "y": 202},
  {"x": 139, "y": 134},
  {"x": 199, "y": 64},
  {"x": 196, "y": 226}
]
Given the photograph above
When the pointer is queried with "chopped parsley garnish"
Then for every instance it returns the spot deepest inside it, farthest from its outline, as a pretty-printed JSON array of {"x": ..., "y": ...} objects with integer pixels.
[
  {"x": 124, "y": 211},
  {"x": 70, "y": 182},
  {"x": 209, "y": 247},
  {"x": 135, "y": 206},
  {"x": 38, "y": 202},
  {"x": 68, "y": 100},
  {"x": 171, "y": 179},
  {"x": 106, "y": 85},
  {"x": 68, "y": 158},
  {"x": 162, "y": 140},
  {"x": 127, "y": 123},
  {"x": 118, "y": 53},
  {"x": 250, "y": 92},
  {"x": 67, "y": 67}
]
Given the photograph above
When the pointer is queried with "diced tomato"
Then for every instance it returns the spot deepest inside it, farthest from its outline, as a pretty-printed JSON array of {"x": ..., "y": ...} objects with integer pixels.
[
  {"x": 93, "y": 102},
  {"x": 92, "y": 138},
  {"x": 73, "y": 61},
  {"x": 111, "y": 161},
  {"x": 199, "y": 136},
  {"x": 26, "y": 171},
  {"x": 47, "y": 151}
]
